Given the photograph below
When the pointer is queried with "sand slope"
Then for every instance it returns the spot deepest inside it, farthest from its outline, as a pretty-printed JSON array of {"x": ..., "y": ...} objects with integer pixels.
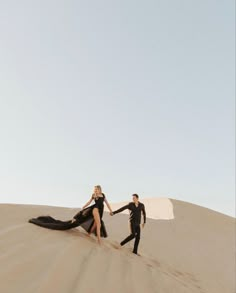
[{"x": 194, "y": 252}]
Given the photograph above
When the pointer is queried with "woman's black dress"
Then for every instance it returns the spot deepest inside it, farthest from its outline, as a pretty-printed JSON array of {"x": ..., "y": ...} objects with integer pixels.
[{"x": 83, "y": 218}]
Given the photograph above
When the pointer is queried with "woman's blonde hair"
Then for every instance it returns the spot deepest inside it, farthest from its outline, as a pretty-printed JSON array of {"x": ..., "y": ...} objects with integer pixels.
[{"x": 98, "y": 187}]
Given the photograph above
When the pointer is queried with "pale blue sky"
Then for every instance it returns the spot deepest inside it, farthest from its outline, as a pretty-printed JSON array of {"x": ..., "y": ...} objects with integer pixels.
[{"x": 137, "y": 96}]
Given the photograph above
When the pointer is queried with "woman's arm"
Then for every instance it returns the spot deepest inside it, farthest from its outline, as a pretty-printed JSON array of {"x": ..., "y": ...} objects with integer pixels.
[
  {"x": 88, "y": 203},
  {"x": 109, "y": 207}
]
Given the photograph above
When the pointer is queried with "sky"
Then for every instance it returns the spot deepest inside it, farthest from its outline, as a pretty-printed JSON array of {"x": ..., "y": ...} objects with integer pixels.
[{"x": 137, "y": 96}]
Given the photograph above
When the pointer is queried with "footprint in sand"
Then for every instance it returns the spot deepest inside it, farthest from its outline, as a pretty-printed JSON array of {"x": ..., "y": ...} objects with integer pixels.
[{"x": 115, "y": 245}]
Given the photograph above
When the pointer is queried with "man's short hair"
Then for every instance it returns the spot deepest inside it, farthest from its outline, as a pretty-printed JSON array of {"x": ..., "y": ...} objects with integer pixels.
[{"x": 135, "y": 195}]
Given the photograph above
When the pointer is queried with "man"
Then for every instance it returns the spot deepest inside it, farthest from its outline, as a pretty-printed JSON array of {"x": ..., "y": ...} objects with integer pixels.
[{"x": 136, "y": 208}]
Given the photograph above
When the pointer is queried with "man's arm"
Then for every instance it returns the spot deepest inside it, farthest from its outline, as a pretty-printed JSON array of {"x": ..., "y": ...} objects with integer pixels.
[
  {"x": 144, "y": 214},
  {"x": 121, "y": 209}
]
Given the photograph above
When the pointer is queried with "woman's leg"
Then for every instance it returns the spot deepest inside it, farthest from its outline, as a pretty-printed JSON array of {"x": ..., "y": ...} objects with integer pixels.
[
  {"x": 92, "y": 228},
  {"x": 98, "y": 223}
]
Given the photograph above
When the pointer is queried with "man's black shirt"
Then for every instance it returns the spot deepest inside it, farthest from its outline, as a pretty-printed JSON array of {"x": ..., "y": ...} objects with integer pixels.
[{"x": 135, "y": 212}]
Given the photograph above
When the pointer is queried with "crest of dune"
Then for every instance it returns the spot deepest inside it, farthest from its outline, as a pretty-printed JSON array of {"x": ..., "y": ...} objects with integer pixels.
[
  {"x": 156, "y": 208},
  {"x": 184, "y": 248}
]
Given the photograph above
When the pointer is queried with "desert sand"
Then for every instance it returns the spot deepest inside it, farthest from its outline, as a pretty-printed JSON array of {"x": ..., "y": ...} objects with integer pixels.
[{"x": 184, "y": 248}]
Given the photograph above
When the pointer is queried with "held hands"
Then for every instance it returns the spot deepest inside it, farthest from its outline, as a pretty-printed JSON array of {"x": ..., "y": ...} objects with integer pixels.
[
  {"x": 111, "y": 214},
  {"x": 73, "y": 220}
]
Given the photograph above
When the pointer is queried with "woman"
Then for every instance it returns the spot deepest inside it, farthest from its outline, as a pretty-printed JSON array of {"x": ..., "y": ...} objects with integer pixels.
[
  {"x": 97, "y": 213},
  {"x": 90, "y": 218}
]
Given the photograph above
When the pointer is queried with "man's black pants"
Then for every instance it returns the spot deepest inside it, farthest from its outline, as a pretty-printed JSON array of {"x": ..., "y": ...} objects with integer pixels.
[{"x": 135, "y": 233}]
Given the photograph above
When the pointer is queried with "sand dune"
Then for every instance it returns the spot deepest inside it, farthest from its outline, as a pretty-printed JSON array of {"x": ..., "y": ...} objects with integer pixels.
[{"x": 193, "y": 252}]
